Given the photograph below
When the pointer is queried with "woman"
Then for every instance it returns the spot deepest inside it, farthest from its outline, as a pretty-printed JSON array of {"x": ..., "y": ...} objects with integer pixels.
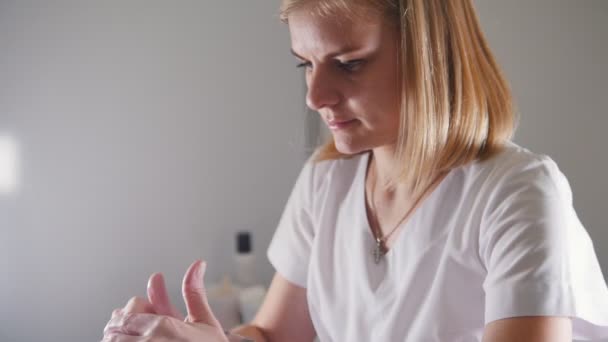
[{"x": 419, "y": 220}]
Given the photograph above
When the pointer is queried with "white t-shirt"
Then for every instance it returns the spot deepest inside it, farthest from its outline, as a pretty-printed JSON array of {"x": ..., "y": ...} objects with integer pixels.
[{"x": 495, "y": 239}]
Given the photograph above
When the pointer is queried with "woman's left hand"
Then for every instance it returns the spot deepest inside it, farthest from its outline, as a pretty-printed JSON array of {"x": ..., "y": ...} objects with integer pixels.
[
  {"x": 145, "y": 327},
  {"x": 138, "y": 323}
]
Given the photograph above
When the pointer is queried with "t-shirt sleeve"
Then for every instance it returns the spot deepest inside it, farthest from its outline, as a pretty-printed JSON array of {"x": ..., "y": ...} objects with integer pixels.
[
  {"x": 289, "y": 250},
  {"x": 540, "y": 260}
]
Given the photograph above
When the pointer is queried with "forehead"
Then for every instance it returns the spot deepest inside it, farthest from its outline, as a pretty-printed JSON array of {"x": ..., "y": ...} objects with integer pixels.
[{"x": 324, "y": 34}]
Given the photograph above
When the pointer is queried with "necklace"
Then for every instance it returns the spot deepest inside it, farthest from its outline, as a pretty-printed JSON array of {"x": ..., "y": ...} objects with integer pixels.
[{"x": 380, "y": 248}]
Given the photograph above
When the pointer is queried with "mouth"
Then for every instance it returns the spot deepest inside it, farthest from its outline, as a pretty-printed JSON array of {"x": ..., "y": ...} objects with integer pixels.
[{"x": 336, "y": 125}]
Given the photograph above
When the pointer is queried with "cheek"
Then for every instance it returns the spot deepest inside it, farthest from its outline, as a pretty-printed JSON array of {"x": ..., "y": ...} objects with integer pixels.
[
  {"x": 381, "y": 107},
  {"x": 391, "y": 102},
  {"x": 382, "y": 95}
]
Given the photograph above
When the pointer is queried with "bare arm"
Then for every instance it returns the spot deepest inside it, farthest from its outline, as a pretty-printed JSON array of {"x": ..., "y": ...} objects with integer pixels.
[
  {"x": 283, "y": 316},
  {"x": 250, "y": 331},
  {"x": 529, "y": 329}
]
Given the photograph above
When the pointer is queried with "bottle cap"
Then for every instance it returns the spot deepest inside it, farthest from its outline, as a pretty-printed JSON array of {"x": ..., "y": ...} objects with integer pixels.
[{"x": 243, "y": 242}]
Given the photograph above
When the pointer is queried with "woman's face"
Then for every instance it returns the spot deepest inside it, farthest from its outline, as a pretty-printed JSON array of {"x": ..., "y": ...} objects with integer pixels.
[{"x": 352, "y": 73}]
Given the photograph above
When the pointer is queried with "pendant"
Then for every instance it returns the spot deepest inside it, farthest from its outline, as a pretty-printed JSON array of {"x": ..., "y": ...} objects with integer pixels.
[{"x": 378, "y": 251}]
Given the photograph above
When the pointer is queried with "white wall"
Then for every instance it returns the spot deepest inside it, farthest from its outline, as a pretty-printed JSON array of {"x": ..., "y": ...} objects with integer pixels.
[{"x": 151, "y": 131}]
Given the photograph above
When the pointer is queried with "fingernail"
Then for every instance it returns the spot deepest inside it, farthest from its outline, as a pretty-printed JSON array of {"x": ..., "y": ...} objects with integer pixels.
[{"x": 154, "y": 278}]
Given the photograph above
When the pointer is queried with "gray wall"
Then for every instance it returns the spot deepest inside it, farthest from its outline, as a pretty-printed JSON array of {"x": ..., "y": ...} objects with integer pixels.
[
  {"x": 555, "y": 53},
  {"x": 151, "y": 131}
]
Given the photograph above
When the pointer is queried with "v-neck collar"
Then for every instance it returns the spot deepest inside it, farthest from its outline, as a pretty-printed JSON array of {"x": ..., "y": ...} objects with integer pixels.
[{"x": 408, "y": 228}]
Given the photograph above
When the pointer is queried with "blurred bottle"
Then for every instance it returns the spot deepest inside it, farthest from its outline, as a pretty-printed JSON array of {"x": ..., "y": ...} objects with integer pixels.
[
  {"x": 224, "y": 300},
  {"x": 244, "y": 261},
  {"x": 251, "y": 292}
]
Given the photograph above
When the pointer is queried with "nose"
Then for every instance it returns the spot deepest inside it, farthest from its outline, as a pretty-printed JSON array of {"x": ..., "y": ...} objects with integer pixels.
[{"x": 323, "y": 89}]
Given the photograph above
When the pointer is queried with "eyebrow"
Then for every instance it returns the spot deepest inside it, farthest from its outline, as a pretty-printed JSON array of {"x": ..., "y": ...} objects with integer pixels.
[{"x": 343, "y": 50}]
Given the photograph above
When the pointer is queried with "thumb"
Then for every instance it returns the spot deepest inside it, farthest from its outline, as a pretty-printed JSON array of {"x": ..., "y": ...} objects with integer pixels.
[
  {"x": 193, "y": 290},
  {"x": 159, "y": 298}
]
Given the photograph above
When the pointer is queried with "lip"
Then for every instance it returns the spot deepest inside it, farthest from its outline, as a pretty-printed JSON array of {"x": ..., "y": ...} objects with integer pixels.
[{"x": 338, "y": 124}]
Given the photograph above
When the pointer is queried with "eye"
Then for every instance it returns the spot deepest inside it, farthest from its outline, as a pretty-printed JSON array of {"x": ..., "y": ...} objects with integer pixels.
[
  {"x": 350, "y": 66},
  {"x": 304, "y": 65}
]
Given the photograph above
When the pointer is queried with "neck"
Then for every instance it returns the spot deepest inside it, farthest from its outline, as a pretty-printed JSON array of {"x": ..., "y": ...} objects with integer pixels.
[{"x": 385, "y": 166}]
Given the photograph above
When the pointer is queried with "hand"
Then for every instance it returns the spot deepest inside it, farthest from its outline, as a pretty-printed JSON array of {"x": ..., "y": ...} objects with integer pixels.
[
  {"x": 157, "y": 320},
  {"x": 159, "y": 298},
  {"x": 158, "y": 301}
]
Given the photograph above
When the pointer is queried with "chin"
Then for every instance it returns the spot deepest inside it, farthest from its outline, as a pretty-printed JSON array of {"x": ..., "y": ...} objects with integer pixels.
[{"x": 348, "y": 146}]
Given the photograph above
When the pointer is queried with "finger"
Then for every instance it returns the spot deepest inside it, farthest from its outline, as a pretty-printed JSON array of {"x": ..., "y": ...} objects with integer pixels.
[
  {"x": 159, "y": 298},
  {"x": 132, "y": 324},
  {"x": 117, "y": 312},
  {"x": 124, "y": 338},
  {"x": 118, "y": 325},
  {"x": 138, "y": 305},
  {"x": 193, "y": 290},
  {"x": 157, "y": 328}
]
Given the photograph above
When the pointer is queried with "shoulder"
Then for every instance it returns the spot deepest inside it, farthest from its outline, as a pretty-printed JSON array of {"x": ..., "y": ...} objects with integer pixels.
[
  {"x": 525, "y": 202},
  {"x": 321, "y": 175},
  {"x": 516, "y": 169}
]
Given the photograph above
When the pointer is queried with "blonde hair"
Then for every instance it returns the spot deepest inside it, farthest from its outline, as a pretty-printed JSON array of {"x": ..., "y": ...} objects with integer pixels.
[{"x": 456, "y": 105}]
